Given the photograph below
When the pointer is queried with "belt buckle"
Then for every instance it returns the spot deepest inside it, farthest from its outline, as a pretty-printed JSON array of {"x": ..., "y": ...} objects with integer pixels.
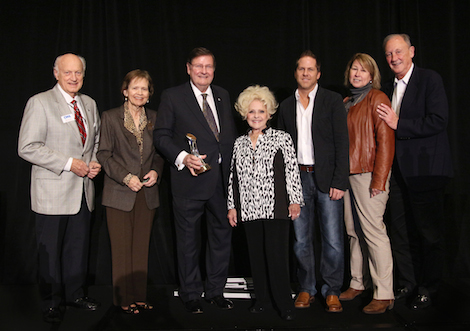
[{"x": 307, "y": 168}]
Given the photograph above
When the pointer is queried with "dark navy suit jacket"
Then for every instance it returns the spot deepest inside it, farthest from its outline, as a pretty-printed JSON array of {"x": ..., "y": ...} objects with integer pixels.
[
  {"x": 178, "y": 114},
  {"x": 422, "y": 146}
]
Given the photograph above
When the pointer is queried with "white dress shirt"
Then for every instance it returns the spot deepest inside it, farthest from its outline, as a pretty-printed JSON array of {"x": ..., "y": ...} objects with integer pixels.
[
  {"x": 305, "y": 148},
  {"x": 399, "y": 91}
]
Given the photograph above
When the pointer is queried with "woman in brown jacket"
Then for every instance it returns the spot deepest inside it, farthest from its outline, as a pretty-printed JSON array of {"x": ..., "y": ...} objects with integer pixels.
[
  {"x": 130, "y": 194},
  {"x": 371, "y": 150}
]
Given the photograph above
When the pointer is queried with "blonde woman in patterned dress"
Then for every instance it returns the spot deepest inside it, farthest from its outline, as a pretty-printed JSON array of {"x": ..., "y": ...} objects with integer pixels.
[{"x": 264, "y": 194}]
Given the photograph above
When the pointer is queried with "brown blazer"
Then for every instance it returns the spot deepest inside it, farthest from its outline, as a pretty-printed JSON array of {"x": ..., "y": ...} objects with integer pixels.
[{"x": 119, "y": 155}]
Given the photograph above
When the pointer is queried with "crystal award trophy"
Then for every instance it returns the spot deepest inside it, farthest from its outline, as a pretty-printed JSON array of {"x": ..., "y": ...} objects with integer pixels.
[{"x": 194, "y": 151}]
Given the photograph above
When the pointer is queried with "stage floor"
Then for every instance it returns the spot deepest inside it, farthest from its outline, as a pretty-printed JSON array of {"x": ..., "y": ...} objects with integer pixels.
[{"x": 20, "y": 311}]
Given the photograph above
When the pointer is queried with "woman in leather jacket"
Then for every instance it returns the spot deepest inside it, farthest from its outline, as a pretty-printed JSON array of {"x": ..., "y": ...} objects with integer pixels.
[{"x": 371, "y": 151}]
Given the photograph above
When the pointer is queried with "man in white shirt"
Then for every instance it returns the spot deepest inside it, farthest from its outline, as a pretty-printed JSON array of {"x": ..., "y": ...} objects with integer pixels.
[{"x": 316, "y": 119}]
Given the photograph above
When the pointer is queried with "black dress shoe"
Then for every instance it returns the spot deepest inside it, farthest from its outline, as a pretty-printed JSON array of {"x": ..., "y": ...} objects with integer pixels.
[
  {"x": 193, "y": 306},
  {"x": 85, "y": 303},
  {"x": 402, "y": 293},
  {"x": 52, "y": 315},
  {"x": 420, "y": 302},
  {"x": 288, "y": 315},
  {"x": 221, "y": 302}
]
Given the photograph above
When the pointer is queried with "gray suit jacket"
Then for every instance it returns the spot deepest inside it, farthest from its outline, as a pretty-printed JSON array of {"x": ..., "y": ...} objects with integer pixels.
[
  {"x": 119, "y": 155},
  {"x": 48, "y": 141}
]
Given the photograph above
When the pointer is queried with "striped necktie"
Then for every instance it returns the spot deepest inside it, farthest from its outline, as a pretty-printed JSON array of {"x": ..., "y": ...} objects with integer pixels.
[
  {"x": 79, "y": 120},
  {"x": 207, "y": 111}
]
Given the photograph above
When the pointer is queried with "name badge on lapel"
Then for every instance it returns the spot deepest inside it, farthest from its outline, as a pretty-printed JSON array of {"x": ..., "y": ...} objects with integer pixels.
[{"x": 68, "y": 118}]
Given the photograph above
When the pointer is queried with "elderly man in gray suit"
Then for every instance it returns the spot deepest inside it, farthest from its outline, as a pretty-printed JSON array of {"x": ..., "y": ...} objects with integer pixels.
[{"x": 59, "y": 135}]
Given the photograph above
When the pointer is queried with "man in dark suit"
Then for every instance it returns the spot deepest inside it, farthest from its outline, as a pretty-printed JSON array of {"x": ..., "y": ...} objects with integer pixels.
[
  {"x": 59, "y": 135},
  {"x": 421, "y": 169},
  {"x": 204, "y": 110},
  {"x": 316, "y": 119}
]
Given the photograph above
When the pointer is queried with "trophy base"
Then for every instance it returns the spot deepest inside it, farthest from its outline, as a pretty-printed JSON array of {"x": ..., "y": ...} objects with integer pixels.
[{"x": 203, "y": 168}]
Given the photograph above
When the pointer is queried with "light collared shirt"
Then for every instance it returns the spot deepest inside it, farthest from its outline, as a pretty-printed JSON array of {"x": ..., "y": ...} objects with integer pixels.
[
  {"x": 400, "y": 87},
  {"x": 69, "y": 100},
  {"x": 305, "y": 148},
  {"x": 210, "y": 100}
]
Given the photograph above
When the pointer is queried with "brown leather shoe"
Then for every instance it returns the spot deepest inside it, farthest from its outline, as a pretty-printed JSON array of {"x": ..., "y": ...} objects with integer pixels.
[
  {"x": 333, "y": 304},
  {"x": 378, "y": 306},
  {"x": 350, "y": 294},
  {"x": 304, "y": 300}
]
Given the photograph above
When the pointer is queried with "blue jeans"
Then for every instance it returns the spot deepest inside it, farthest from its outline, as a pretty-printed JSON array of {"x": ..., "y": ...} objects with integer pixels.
[{"x": 330, "y": 216}]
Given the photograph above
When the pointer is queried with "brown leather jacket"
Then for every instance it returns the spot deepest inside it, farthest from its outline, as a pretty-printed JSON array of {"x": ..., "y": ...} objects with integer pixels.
[{"x": 371, "y": 141}]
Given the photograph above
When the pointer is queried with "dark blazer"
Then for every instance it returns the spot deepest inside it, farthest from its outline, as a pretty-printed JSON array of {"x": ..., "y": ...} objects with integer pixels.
[
  {"x": 178, "y": 114},
  {"x": 119, "y": 155},
  {"x": 422, "y": 146},
  {"x": 330, "y": 137}
]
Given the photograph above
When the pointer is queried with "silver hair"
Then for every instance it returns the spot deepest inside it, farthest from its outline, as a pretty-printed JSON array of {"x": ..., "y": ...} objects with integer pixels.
[
  {"x": 405, "y": 37},
  {"x": 56, "y": 62}
]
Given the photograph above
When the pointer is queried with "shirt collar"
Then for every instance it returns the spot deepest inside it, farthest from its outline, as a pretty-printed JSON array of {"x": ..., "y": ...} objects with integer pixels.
[
  {"x": 197, "y": 92},
  {"x": 267, "y": 130},
  {"x": 311, "y": 95},
  {"x": 407, "y": 77},
  {"x": 67, "y": 96}
]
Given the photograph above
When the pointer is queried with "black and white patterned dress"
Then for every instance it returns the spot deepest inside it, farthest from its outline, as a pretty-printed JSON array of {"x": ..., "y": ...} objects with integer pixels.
[{"x": 264, "y": 181}]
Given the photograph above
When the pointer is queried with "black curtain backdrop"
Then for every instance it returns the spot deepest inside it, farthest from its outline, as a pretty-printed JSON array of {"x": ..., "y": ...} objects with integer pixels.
[{"x": 254, "y": 42}]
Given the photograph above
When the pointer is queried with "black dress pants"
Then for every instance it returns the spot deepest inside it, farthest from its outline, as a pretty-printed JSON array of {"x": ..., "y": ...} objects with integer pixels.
[
  {"x": 416, "y": 230},
  {"x": 268, "y": 246},
  {"x": 63, "y": 243},
  {"x": 188, "y": 214}
]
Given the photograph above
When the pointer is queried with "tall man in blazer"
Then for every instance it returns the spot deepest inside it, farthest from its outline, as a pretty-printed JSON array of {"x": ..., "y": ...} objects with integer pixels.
[
  {"x": 182, "y": 111},
  {"x": 316, "y": 119},
  {"x": 62, "y": 191},
  {"x": 421, "y": 169}
]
